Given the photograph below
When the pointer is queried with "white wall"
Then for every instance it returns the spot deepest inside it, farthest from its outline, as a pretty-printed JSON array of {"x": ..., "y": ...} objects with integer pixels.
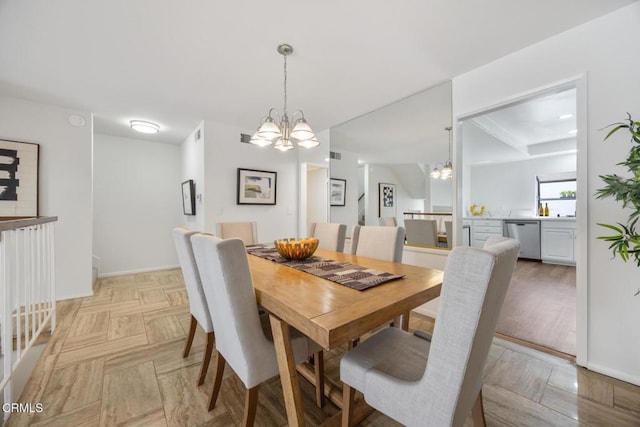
[
  {"x": 65, "y": 183},
  {"x": 193, "y": 168},
  {"x": 223, "y": 155},
  {"x": 441, "y": 192},
  {"x": 137, "y": 201},
  {"x": 509, "y": 186},
  {"x": 599, "y": 48},
  {"x": 346, "y": 168}
]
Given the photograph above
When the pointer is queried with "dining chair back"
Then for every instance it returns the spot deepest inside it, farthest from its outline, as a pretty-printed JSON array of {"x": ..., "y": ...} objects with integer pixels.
[
  {"x": 423, "y": 232},
  {"x": 240, "y": 335},
  {"x": 245, "y": 231},
  {"x": 448, "y": 226},
  {"x": 385, "y": 243},
  {"x": 417, "y": 382},
  {"x": 330, "y": 236},
  {"x": 387, "y": 221},
  {"x": 197, "y": 303}
]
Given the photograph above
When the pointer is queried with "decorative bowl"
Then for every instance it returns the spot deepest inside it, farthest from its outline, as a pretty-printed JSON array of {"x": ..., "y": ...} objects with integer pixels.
[{"x": 293, "y": 249}]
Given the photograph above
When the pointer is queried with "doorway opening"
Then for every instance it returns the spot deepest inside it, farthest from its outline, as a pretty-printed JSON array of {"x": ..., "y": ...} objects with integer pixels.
[
  {"x": 317, "y": 178},
  {"x": 506, "y": 150}
]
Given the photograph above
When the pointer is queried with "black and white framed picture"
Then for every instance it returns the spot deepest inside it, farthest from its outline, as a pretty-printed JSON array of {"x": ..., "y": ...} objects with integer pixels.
[
  {"x": 337, "y": 191},
  {"x": 256, "y": 187},
  {"x": 387, "y": 200},
  {"x": 189, "y": 197},
  {"x": 18, "y": 179}
]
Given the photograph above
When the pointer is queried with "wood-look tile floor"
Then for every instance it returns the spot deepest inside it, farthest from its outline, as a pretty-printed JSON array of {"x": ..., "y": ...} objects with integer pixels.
[
  {"x": 115, "y": 359},
  {"x": 540, "y": 306}
]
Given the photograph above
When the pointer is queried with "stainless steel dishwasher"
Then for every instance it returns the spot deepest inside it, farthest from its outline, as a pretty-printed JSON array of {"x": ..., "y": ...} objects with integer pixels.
[{"x": 527, "y": 232}]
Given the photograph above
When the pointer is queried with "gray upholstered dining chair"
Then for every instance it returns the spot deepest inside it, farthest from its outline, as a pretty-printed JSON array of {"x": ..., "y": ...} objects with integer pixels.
[
  {"x": 448, "y": 227},
  {"x": 387, "y": 221},
  {"x": 423, "y": 232},
  {"x": 439, "y": 383},
  {"x": 242, "y": 340},
  {"x": 197, "y": 303},
  {"x": 385, "y": 243},
  {"x": 330, "y": 236},
  {"x": 245, "y": 231}
]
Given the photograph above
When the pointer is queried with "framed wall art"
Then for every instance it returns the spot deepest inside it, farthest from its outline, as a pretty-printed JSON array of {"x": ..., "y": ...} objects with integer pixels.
[
  {"x": 337, "y": 191},
  {"x": 256, "y": 187},
  {"x": 189, "y": 197},
  {"x": 387, "y": 200},
  {"x": 18, "y": 179}
]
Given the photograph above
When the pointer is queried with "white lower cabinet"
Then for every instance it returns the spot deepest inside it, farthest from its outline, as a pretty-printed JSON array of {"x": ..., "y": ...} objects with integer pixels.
[
  {"x": 557, "y": 241},
  {"x": 483, "y": 229}
]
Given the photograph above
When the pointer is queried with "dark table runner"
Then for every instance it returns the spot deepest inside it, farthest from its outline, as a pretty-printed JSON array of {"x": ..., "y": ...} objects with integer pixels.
[{"x": 344, "y": 273}]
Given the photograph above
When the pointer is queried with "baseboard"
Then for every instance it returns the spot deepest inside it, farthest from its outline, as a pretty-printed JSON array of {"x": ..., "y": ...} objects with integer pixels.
[
  {"x": 66, "y": 297},
  {"x": 632, "y": 379},
  {"x": 141, "y": 270}
]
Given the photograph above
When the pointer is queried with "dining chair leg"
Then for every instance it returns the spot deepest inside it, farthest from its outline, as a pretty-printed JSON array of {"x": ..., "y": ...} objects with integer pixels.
[
  {"x": 250, "y": 405},
  {"x": 478, "y": 412},
  {"x": 207, "y": 358},
  {"x": 348, "y": 394},
  {"x": 192, "y": 332},
  {"x": 217, "y": 381},
  {"x": 353, "y": 343},
  {"x": 318, "y": 365}
]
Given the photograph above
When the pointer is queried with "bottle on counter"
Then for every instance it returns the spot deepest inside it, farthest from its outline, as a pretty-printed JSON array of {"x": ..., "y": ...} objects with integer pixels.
[
  {"x": 546, "y": 209},
  {"x": 541, "y": 210}
]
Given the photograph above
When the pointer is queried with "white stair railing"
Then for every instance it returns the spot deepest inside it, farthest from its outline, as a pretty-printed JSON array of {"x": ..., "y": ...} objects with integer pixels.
[{"x": 27, "y": 298}]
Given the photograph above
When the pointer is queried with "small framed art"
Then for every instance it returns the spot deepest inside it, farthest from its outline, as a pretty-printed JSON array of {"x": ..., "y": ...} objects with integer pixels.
[
  {"x": 18, "y": 179},
  {"x": 337, "y": 191},
  {"x": 386, "y": 199},
  {"x": 189, "y": 197},
  {"x": 256, "y": 187}
]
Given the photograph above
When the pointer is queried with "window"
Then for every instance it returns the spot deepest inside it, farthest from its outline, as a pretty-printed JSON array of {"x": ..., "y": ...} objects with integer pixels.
[{"x": 559, "y": 193}]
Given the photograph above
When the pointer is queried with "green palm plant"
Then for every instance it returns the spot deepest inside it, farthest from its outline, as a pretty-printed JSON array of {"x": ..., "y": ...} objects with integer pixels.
[{"x": 626, "y": 240}]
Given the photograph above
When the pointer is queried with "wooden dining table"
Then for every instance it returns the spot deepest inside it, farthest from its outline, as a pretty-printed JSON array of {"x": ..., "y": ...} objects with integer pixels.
[{"x": 332, "y": 314}]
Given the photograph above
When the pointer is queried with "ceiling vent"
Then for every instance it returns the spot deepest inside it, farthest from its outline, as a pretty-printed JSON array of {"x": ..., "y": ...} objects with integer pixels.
[
  {"x": 335, "y": 156},
  {"x": 245, "y": 138}
]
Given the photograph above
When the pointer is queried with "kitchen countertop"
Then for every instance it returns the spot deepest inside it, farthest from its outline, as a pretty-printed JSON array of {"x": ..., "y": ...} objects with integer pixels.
[{"x": 537, "y": 218}]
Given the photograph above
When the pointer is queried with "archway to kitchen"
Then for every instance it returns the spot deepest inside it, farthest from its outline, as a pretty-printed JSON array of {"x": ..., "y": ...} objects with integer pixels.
[{"x": 516, "y": 155}]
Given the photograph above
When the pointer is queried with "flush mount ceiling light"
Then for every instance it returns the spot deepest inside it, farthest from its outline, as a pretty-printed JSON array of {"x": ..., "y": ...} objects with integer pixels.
[
  {"x": 447, "y": 170},
  {"x": 279, "y": 132},
  {"x": 144, "y": 126}
]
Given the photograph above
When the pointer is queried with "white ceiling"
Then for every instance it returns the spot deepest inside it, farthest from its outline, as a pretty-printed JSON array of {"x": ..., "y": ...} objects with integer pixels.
[
  {"x": 411, "y": 130},
  {"x": 176, "y": 63},
  {"x": 528, "y": 129}
]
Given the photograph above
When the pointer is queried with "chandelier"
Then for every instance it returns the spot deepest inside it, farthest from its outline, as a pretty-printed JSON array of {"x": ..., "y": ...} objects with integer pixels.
[
  {"x": 279, "y": 132},
  {"x": 447, "y": 170}
]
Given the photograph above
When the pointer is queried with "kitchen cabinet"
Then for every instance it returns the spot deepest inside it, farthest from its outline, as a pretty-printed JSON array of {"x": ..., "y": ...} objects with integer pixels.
[
  {"x": 482, "y": 229},
  {"x": 558, "y": 242}
]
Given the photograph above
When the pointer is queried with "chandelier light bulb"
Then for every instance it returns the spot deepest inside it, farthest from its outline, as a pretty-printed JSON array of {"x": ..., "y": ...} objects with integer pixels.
[
  {"x": 269, "y": 130},
  {"x": 302, "y": 130},
  {"x": 260, "y": 142},
  {"x": 447, "y": 170}
]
